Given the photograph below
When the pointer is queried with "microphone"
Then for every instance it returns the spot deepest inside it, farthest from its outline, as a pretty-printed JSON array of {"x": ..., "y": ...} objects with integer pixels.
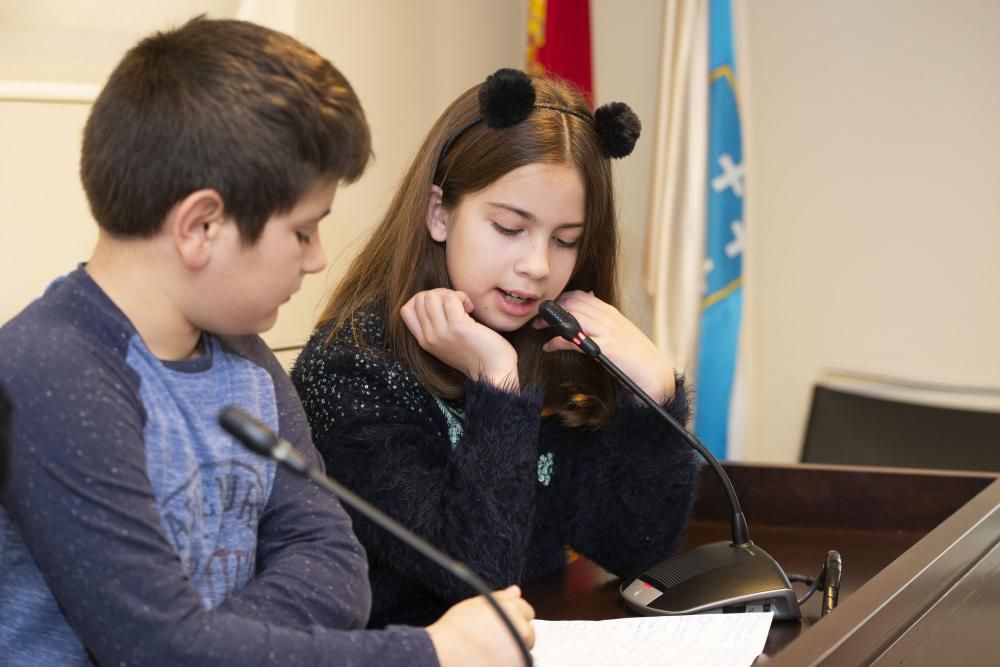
[
  {"x": 567, "y": 327},
  {"x": 260, "y": 439},
  {"x": 736, "y": 576}
]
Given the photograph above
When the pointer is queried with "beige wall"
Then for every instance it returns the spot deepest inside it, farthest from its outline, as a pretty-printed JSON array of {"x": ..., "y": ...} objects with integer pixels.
[
  {"x": 874, "y": 201},
  {"x": 873, "y": 206},
  {"x": 407, "y": 60},
  {"x": 626, "y": 47}
]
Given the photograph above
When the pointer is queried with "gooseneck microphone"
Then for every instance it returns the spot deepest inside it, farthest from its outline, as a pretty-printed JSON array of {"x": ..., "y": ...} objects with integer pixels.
[
  {"x": 567, "y": 326},
  {"x": 260, "y": 439},
  {"x": 722, "y": 576}
]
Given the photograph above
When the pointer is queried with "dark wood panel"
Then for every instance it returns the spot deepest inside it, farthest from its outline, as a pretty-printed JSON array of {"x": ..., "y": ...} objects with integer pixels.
[
  {"x": 584, "y": 591},
  {"x": 898, "y": 561},
  {"x": 840, "y": 496},
  {"x": 960, "y": 628},
  {"x": 889, "y": 606}
]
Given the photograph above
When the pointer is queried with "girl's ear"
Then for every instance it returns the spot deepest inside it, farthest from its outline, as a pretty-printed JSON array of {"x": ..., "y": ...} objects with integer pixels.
[
  {"x": 437, "y": 216},
  {"x": 195, "y": 223}
]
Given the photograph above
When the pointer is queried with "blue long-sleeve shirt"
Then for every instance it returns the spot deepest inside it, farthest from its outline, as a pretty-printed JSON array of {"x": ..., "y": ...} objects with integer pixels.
[{"x": 134, "y": 531}]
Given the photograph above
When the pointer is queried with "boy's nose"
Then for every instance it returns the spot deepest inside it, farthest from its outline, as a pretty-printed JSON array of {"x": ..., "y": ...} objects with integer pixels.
[{"x": 315, "y": 257}]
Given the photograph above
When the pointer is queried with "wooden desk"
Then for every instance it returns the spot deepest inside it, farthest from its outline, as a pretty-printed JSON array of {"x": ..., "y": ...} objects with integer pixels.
[{"x": 921, "y": 583}]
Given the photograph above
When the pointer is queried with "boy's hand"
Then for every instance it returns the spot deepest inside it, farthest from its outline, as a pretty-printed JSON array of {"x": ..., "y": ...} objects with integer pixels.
[
  {"x": 439, "y": 319},
  {"x": 470, "y": 634},
  {"x": 621, "y": 341}
]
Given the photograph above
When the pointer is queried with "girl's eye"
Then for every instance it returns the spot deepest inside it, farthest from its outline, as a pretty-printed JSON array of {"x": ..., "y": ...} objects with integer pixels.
[
  {"x": 506, "y": 231},
  {"x": 303, "y": 238},
  {"x": 566, "y": 244}
]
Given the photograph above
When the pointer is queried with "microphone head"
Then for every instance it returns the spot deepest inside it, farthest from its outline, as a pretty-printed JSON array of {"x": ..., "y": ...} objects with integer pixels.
[
  {"x": 560, "y": 320},
  {"x": 251, "y": 432},
  {"x": 566, "y": 326}
]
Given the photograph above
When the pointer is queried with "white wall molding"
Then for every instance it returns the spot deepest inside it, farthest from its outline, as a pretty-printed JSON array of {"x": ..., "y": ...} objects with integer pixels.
[{"x": 48, "y": 91}]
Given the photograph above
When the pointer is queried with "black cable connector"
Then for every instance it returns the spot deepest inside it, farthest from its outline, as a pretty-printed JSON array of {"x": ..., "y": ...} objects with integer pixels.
[{"x": 829, "y": 579}]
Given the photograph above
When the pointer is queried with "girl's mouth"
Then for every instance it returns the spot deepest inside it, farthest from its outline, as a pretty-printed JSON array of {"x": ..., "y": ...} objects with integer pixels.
[
  {"x": 513, "y": 298},
  {"x": 515, "y": 305}
]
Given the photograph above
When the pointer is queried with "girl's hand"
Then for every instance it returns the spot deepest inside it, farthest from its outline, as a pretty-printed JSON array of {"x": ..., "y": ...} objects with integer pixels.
[
  {"x": 621, "y": 341},
  {"x": 439, "y": 320}
]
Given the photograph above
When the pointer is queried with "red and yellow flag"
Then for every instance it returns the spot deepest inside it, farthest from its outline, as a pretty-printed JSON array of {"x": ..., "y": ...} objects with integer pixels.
[{"x": 559, "y": 41}]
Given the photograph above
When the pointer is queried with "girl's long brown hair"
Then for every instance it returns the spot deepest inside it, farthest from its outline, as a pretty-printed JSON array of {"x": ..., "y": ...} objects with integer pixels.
[{"x": 400, "y": 259}]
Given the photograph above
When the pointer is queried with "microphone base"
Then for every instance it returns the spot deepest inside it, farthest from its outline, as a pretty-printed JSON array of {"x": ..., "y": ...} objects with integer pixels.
[{"x": 720, "y": 577}]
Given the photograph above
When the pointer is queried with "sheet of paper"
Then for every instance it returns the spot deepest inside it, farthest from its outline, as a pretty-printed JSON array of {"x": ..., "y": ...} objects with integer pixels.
[{"x": 677, "y": 641}]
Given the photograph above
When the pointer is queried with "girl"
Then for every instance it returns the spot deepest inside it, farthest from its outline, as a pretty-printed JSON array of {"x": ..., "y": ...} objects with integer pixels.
[{"x": 434, "y": 390}]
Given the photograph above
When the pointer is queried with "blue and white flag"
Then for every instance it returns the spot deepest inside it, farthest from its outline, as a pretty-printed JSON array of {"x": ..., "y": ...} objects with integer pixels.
[
  {"x": 676, "y": 227},
  {"x": 722, "y": 304}
]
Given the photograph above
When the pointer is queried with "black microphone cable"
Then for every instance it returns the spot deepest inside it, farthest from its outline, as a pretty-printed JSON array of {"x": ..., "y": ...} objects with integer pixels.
[{"x": 257, "y": 437}]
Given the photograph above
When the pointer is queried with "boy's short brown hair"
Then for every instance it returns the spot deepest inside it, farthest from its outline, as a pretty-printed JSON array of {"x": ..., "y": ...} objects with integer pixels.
[{"x": 221, "y": 104}]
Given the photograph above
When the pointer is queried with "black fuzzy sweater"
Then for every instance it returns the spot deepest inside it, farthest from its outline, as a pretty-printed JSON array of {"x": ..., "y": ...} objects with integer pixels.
[{"x": 491, "y": 483}]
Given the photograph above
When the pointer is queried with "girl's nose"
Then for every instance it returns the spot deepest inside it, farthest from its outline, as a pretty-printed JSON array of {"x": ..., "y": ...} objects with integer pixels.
[{"x": 535, "y": 262}]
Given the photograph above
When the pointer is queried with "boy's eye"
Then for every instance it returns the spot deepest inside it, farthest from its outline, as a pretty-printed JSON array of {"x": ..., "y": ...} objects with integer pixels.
[
  {"x": 506, "y": 231},
  {"x": 303, "y": 238}
]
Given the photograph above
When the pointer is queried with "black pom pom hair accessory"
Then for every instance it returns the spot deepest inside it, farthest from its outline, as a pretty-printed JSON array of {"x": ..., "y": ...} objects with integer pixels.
[{"x": 507, "y": 97}]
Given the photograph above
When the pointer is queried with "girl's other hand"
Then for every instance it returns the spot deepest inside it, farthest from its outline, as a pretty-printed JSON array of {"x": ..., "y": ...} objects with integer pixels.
[
  {"x": 439, "y": 319},
  {"x": 621, "y": 341}
]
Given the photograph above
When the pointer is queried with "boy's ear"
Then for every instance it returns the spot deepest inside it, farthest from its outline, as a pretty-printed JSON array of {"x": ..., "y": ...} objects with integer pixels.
[
  {"x": 194, "y": 224},
  {"x": 437, "y": 215}
]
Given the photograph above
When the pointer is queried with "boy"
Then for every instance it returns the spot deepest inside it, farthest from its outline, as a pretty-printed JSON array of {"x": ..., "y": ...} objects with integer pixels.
[
  {"x": 4, "y": 434},
  {"x": 133, "y": 531}
]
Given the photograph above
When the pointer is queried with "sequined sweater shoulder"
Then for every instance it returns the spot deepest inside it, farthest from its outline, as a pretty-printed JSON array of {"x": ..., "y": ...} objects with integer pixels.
[{"x": 341, "y": 379}]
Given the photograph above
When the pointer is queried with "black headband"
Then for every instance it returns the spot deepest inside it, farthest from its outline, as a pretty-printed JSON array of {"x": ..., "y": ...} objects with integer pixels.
[{"x": 507, "y": 97}]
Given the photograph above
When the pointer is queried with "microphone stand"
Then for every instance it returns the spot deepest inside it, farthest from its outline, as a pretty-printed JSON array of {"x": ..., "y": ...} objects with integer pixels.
[
  {"x": 734, "y": 576},
  {"x": 260, "y": 439}
]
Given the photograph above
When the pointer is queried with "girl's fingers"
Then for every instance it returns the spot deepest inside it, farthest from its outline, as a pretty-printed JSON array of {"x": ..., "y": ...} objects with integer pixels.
[
  {"x": 466, "y": 301},
  {"x": 559, "y": 343},
  {"x": 436, "y": 315},
  {"x": 456, "y": 310},
  {"x": 420, "y": 308},
  {"x": 439, "y": 319},
  {"x": 584, "y": 307},
  {"x": 409, "y": 314}
]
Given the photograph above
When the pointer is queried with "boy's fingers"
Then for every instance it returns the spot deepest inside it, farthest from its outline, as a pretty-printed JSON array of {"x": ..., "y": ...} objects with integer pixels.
[
  {"x": 526, "y": 609},
  {"x": 529, "y": 637}
]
